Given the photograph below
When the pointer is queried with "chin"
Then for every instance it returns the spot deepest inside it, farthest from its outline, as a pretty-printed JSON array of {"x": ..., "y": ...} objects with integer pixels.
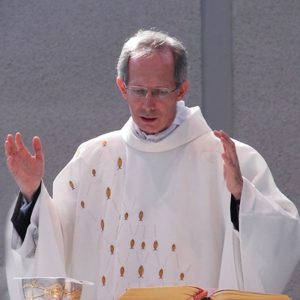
[
  {"x": 152, "y": 130},
  {"x": 151, "y": 127},
  {"x": 149, "y": 131}
]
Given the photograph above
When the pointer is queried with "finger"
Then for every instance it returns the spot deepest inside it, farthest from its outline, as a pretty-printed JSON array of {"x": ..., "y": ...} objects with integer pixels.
[
  {"x": 8, "y": 149},
  {"x": 229, "y": 169},
  {"x": 228, "y": 163},
  {"x": 232, "y": 158},
  {"x": 224, "y": 133},
  {"x": 229, "y": 146},
  {"x": 220, "y": 133},
  {"x": 224, "y": 166},
  {"x": 224, "y": 137},
  {"x": 19, "y": 143},
  {"x": 38, "y": 148},
  {"x": 9, "y": 145},
  {"x": 224, "y": 140},
  {"x": 217, "y": 133}
]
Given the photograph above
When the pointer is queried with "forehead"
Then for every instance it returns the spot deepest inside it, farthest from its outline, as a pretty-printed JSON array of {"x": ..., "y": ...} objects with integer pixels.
[
  {"x": 155, "y": 67},
  {"x": 162, "y": 56}
]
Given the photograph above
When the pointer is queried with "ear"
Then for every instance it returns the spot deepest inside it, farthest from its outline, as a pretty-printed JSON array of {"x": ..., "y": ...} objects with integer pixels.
[
  {"x": 183, "y": 89},
  {"x": 121, "y": 87}
]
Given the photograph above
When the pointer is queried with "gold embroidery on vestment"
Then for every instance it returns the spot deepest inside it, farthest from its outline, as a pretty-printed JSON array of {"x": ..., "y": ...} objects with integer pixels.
[
  {"x": 141, "y": 271},
  {"x": 112, "y": 249},
  {"x": 181, "y": 276},
  {"x": 119, "y": 163},
  {"x": 103, "y": 279},
  {"x": 132, "y": 242},
  {"x": 72, "y": 185},
  {"x": 108, "y": 192},
  {"x": 141, "y": 216},
  {"x": 102, "y": 225},
  {"x": 155, "y": 245}
]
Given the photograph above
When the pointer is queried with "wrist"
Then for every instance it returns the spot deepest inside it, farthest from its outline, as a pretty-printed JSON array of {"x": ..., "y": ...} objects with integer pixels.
[
  {"x": 30, "y": 195},
  {"x": 237, "y": 194}
]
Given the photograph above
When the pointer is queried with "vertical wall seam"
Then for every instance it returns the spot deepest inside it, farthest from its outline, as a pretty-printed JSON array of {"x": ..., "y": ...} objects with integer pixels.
[{"x": 216, "y": 39}]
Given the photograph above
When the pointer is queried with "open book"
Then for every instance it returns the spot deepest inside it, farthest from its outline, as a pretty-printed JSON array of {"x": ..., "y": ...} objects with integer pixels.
[{"x": 194, "y": 293}]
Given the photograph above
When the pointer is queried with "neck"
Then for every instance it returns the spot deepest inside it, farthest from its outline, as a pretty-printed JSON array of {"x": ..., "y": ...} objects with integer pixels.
[{"x": 182, "y": 112}]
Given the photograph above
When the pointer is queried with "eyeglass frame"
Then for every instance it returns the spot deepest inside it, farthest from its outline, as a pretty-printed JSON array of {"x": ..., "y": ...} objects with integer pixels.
[{"x": 145, "y": 89}]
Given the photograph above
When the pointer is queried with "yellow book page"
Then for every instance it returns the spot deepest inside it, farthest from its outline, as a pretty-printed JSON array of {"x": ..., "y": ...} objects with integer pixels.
[
  {"x": 241, "y": 295},
  {"x": 164, "y": 293}
]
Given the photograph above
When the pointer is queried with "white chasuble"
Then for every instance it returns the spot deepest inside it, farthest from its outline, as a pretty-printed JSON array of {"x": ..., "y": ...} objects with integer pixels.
[{"x": 129, "y": 213}]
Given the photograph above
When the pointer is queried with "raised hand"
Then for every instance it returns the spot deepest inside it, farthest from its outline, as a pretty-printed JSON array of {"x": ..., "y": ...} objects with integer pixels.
[
  {"x": 26, "y": 168},
  {"x": 232, "y": 171}
]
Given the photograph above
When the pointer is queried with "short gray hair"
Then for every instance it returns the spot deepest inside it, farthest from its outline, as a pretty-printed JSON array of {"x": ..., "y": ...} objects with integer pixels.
[{"x": 144, "y": 43}]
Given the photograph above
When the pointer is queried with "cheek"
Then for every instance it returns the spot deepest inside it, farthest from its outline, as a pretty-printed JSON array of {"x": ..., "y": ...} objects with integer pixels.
[
  {"x": 134, "y": 108},
  {"x": 167, "y": 110},
  {"x": 169, "y": 114}
]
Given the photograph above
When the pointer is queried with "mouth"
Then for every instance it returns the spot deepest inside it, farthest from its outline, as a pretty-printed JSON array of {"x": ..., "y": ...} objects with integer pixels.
[{"x": 148, "y": 119}]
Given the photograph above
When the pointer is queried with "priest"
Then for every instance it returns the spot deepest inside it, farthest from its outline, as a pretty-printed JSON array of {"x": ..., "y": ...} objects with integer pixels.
[{"x": 163, "y": 201}]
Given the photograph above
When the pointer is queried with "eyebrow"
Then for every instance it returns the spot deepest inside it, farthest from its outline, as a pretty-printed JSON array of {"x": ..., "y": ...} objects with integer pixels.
[{"x": 154, "y": 87}]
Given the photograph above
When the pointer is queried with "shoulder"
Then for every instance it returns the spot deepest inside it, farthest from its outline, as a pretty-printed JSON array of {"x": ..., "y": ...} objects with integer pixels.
[
  {"x": 208, "y": 142},
  {"x": 247, "y": 152},
  {"x": 251, "y": 161},
  {"x": 248, "y": 156},
  {"x": 111, "y": 141},
  {"x": 94, "y": 152},
  {"x": 97, "y": 150}
]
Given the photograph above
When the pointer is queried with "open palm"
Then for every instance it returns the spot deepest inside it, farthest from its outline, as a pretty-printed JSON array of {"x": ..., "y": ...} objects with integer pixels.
[{"x": 26, "y": 168}]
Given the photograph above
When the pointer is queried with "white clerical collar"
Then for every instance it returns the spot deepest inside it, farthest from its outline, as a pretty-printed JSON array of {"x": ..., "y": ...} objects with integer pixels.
[
  {"x": 193, "y": 127},
  {"x": 182, "y": 112}
]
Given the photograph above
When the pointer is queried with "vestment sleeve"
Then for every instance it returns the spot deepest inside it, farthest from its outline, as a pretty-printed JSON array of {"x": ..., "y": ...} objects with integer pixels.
[
  {"x": 43, "y": 241},
  {"x": 48, "y": 238},
  {"x": 22, "y": 213},
  {"x": 269, "y": 233}
]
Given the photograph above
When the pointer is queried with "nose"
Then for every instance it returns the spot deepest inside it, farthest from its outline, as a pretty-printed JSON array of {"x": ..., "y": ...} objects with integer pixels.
[{"x": 149, "y": 101}]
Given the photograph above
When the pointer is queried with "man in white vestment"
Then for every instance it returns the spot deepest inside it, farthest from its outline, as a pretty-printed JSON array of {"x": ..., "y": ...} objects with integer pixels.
[{"x": 163, "y": 201}]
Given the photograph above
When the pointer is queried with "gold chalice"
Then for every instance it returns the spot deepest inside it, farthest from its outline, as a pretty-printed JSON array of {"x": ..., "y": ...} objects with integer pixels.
[{"x": 51, "y": 288}]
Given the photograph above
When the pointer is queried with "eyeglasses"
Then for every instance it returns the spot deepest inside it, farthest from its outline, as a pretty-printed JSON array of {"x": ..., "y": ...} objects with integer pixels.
[{"x": 140, "y": 92}]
